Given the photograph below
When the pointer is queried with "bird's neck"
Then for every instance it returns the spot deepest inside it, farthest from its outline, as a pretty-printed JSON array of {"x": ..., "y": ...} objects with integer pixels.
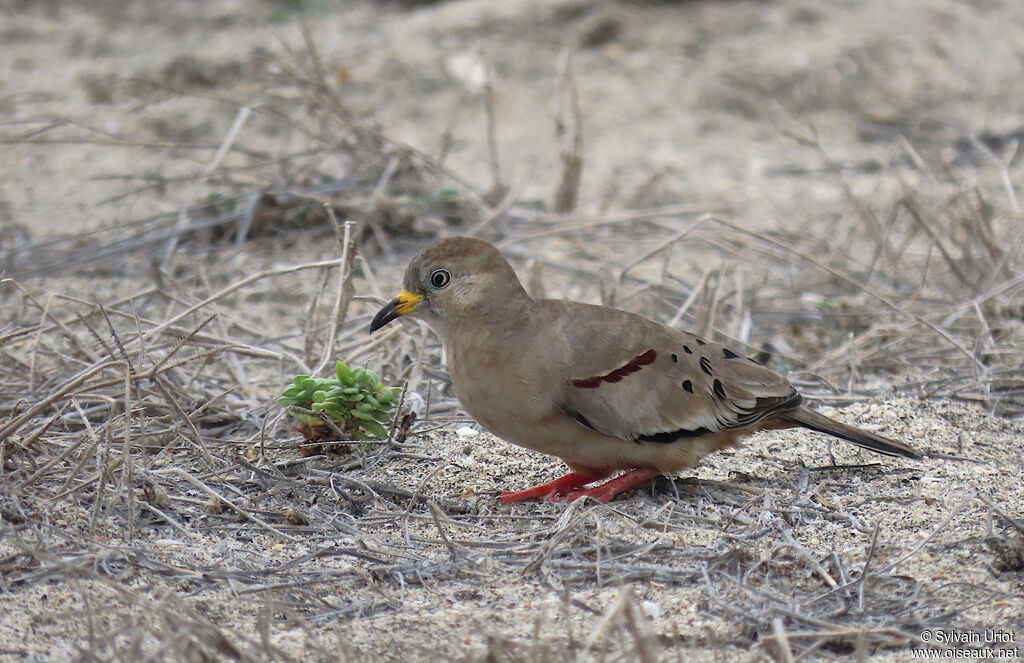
[
  {"x": 491, "y": 322},
  {"x": 482, "y": 355}
]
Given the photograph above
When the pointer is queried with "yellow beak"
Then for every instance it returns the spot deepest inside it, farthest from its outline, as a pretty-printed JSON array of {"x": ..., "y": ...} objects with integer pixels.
[{"x": 404, "y": 303}]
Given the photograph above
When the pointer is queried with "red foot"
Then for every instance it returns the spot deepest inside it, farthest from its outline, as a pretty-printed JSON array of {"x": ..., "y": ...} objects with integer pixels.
[
  {"x": 607, "y": 491},
  {"x": 569, "y": 487},
  {"x": 560, "y": 486}
]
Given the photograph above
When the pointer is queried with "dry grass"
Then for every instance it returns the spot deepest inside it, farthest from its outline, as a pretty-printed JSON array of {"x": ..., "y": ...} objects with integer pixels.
[{"x": 153, "y": 494}]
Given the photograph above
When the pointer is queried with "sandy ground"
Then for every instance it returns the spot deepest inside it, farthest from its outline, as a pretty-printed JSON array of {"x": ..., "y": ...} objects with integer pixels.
[{"x": 781, "y": 115}]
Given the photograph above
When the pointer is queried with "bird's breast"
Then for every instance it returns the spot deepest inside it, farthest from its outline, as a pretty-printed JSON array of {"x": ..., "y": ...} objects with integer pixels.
[{"x": 497, "y": 389}]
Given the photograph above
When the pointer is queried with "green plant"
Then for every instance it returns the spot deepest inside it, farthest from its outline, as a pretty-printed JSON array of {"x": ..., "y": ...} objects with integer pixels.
[
  {"x": 355, "y": 401},
  {"x": 219, "y": 203}
]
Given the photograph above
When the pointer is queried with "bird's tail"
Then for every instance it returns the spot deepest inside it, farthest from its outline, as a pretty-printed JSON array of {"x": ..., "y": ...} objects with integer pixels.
[{"x": 808, "y": 418}]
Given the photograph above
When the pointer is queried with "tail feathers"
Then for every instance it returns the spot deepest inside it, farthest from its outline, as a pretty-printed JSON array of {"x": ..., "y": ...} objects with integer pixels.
[{"x": 808, "y": 418}]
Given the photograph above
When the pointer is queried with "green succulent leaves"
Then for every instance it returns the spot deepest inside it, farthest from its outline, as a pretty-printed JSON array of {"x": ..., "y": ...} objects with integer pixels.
[{"x": 356, "y": 401}]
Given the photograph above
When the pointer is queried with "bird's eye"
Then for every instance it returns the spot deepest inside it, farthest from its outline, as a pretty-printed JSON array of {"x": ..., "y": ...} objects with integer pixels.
[{"x": 439, "y": 278}]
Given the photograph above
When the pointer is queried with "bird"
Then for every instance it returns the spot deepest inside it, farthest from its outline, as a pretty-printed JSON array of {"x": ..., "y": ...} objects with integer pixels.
[{"x": 608, "y": 391}]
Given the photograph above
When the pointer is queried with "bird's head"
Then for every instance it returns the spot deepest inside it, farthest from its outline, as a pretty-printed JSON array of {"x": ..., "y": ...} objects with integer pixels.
[{"x": 457, "y": 279}]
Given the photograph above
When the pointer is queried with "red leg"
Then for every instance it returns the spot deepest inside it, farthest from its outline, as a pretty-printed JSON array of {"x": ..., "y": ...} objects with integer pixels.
[
  {"x": 560, "y": 486},
  {"x": 607, "y": 491}
]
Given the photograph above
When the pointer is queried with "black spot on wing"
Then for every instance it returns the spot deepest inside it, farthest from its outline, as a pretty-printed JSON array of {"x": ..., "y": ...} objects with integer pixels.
[
  {"x": 582, "y": 421},
  {"x": 705, "y": 365},
  {"x": 675, "y": 358},
  {"x": 718, "y": 388},
  {"x": 688, "y": 386},
  {"x": 729, "y": 354},
  {"x": 672, "y": 436},
  {"x": 687, "y": 350}
]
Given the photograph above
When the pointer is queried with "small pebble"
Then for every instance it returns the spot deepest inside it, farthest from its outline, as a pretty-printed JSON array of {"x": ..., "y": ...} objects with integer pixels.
[{"x": 651, "y": 609}]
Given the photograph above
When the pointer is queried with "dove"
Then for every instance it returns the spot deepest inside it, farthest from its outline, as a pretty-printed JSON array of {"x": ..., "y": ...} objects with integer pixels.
[{"x": 608, "y": 391}]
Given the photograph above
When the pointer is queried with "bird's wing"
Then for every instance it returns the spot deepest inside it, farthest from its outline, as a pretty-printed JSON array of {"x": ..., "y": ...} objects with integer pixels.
[{"x": 632, "y": 378}]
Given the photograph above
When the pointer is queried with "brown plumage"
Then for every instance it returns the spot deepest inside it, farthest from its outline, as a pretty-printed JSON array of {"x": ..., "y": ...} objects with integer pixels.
[{"x": 603, "y": 389}]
